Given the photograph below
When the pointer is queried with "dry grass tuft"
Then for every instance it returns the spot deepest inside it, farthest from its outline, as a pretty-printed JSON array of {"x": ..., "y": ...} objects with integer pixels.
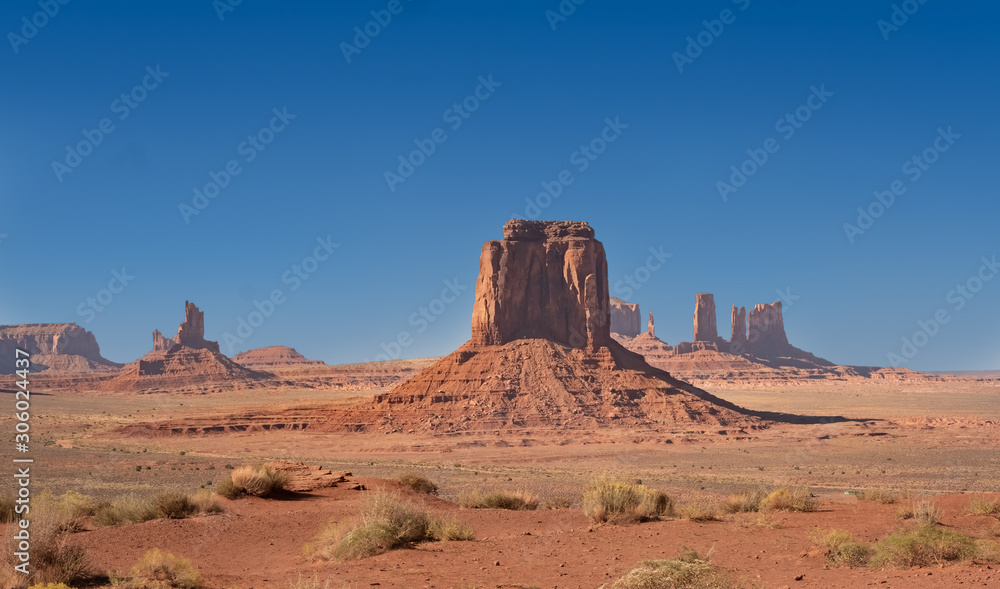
[
  {"x": 982, "y": 505},
  {"x": 418, "y": 483},
  {"x": 880, "y": 495},
  {"x": 54, "y": 559},
  {"x": 159, "y": 570},
  {"x": 842, "y": 549},
  {"x": 614, "y": 500},
  {"x": 699, "y": 510},
  {"x": 922, "y": 512},
  {"x": 173, "y": 505},
  {"x": 687, "y": 571},
  {"x": 254, "y": 480},
  {"x": 746, "y": 501},
  {"x": 387, "y": 522},
  {"x": 498, "y": 499},
  {"x": 789, "y": 499}
]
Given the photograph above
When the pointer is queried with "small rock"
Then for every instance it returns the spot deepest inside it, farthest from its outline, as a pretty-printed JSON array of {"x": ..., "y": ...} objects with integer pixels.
[{"x": 799, "y": 577}]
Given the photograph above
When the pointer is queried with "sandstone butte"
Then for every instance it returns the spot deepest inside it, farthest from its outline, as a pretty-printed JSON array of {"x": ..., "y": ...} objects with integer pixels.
[
  {"x": 541, "y": 354},
  {"x": 54, "y": 347},
  {"x": 186, "y": 360},
  {"x": 758, "y": 350},
  {"x": 625, "y": 318}
]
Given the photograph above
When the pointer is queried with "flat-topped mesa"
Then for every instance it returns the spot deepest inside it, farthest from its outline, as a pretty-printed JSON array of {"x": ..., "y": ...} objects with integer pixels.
[
  {"x": 625, "y": 318},
  {"x": 767, "y": 328},
  {"x": 739, "y": 320},
  {"x": 544, "y": 279},
  {"x": 705, "y": 329}
]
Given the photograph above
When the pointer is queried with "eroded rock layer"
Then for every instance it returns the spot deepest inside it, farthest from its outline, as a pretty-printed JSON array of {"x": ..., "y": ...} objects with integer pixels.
[{"x": 54, "y": 347}]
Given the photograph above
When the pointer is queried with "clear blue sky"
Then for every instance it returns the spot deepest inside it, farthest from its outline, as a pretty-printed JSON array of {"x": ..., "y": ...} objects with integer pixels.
[{"x": 323, "y": 173}]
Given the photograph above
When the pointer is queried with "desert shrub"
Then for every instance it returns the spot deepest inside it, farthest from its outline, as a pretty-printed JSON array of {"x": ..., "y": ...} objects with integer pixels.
[
  {"x": 981, "y": 505},
  {"x": 699, "y": 510},
  {"x": 557, "y": 503},
  {"x": 498, "y": 499},
  {"x": 54, "y": 559},
  {"x": 761, "y": 520},
  {"x": 607, "y": 499},
  {"x": 687, "y": 571},
  {"x": 789, "y": 499},
  {"x": 159, "y": 570},
  {"x": 922, "y": 546},
  {"x": 310, "y": 583},
  {"x": 228, "y": 489},
  {"x": 451, "y": 530},
  {"x": 50, "y": 586},
  {"x": 418, "y": 483},
  {"x": 923, "y": 512},
  {"x": 842, "y": 549},
  {"x": 128, "y": 509},
  {"x": 745, "y": 501},
  {"x": 387, "y": 522},
  {"x": 69, "y": 509},
  {"x": 206, "y": 502},
  {"x": 173, "y": 505},
  {"x": 880, "y": 495},
  {"x": 258, "y": 481},
  {"x": 988, "y": 550}
]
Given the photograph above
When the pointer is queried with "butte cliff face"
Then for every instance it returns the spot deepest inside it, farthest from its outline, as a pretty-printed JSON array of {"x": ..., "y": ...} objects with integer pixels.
[
  {"x": 186, "y": 363},
  {"x": 626, "y": 319},
  {"x": 54, "y": 347},
  {"x": 739, "y": 321},
  {"x": 541, "y": 354},
  {"x": 546, "y": 280},
  {"x": 705, "y": 329}
]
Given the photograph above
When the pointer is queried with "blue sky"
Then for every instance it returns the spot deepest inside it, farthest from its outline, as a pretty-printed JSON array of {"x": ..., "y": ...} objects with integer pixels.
[{"x": 926, "y": 87}]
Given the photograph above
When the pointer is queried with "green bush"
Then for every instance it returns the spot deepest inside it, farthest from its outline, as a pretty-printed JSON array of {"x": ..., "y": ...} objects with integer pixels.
[
  {"x": 843, "y": 550},
  {"x": 606, "y": 499},
  {"x": 923, "y": 546}
]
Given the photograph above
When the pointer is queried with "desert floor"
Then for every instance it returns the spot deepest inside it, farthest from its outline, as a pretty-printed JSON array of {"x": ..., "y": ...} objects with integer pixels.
[{"x": 938, "y": 440}]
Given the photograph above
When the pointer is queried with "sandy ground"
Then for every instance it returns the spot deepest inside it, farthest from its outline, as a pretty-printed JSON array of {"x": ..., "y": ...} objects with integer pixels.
[{"x": 938, "y": 440}]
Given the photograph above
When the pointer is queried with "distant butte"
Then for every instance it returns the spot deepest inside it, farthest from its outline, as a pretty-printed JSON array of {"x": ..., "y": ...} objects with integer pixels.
[
  {"x": 54, "y": 348},
  {"x": 758, "y": 350},
  {"x": 187, "y": 361}
]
